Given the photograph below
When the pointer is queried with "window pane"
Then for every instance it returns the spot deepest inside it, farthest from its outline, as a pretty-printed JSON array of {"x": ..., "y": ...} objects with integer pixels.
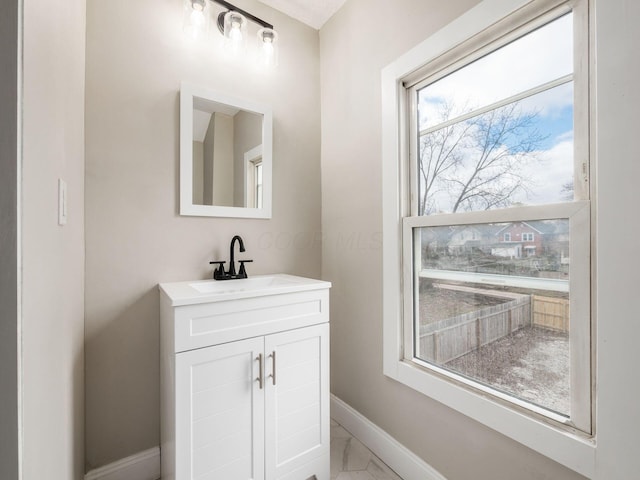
[
  {"x": 493, "y": 306},
  {"x": 543, "y": 55},
  {"x": 518, "y": 154}
]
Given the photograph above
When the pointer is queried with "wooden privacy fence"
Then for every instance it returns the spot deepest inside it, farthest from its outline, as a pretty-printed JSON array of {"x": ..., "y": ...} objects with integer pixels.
[
  {"x": 442, "y": 341},
  {"x": 550, "y": 312}
]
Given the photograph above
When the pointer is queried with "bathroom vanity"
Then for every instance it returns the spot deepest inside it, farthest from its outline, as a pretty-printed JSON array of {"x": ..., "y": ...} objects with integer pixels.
[{"x": 245, "y": 379}]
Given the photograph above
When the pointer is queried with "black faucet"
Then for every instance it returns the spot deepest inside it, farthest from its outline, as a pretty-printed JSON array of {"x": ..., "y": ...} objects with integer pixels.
[
  {"x": 232, "y": 266},
  {"x": 220, "y": 274}
]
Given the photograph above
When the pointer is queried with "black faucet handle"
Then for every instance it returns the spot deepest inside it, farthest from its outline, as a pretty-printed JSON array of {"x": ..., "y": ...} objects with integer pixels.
[
  {"x": 243, "y": 272},
  {"x": 219, "y": 271}
]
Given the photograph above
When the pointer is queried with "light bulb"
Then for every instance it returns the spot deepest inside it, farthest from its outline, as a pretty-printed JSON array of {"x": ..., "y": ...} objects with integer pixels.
[
  {"x": 235, "y": 25},
  {"x": 269, "y": 41},
  {"x": 235, "y": 34},
  {"x": 195, "y": 19},
  {"x": 267, "y": 48}
]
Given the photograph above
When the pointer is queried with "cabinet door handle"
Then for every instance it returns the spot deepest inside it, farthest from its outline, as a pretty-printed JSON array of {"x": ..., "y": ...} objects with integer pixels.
[
  {"x": 273, "y": 366},
  {"x": 260, "y": 370}
]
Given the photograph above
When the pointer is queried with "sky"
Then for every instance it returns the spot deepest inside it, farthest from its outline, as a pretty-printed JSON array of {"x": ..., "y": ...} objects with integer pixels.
[{"x": 542, "y": 56}]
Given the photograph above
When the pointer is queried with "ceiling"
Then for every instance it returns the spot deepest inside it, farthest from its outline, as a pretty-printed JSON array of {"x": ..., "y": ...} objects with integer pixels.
[{"x": 312, "y": 12}]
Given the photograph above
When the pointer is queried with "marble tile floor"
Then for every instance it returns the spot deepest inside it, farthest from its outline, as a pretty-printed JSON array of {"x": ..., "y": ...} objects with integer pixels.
[{"x": 351, "y": 460}]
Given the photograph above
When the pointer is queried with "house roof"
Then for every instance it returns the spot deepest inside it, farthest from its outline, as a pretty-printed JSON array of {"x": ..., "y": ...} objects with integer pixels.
[{"x": 543, "y": 227}]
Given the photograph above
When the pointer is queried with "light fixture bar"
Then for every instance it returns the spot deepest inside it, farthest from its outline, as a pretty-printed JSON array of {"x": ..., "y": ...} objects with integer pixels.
[{"x": 233, "y": 8}]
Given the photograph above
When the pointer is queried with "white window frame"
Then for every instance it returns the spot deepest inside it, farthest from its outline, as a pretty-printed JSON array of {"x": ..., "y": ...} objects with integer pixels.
[
  {"x": 530, "y": 237},
  {"x": 252, "y": 159},
  {"x": 568, "y": 446}
]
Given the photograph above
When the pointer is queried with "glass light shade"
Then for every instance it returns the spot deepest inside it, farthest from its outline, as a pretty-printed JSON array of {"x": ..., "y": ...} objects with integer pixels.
[
  {"x": 195, "y": 18},
  {"x": 268, "y": 41},
  {"x": 235, "y": 30}
]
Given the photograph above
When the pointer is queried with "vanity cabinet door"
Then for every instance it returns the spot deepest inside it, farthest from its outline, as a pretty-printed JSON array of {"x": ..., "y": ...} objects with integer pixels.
[
  {"x": 297, "y": 403},
  {"x": 220, "y": 412}
]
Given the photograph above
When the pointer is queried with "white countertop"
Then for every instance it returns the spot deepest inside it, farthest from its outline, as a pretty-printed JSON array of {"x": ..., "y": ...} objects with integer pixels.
[{"x": 206, "y": 291}]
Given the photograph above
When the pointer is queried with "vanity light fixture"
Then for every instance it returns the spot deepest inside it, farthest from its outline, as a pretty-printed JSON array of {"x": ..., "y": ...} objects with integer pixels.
[{"x": 232, "y": 23}]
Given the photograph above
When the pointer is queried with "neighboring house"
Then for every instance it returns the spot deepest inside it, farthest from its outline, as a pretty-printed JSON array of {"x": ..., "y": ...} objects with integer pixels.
[
  {"x": 519, "y": 239},
  {"x": 512, "y": 240},
  {"x": 556, "y": 239},
  {"x": 464, "y": 238}
]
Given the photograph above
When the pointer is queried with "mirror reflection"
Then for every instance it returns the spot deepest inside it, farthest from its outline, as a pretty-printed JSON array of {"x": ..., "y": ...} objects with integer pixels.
[{"x": 227, "y": 155}]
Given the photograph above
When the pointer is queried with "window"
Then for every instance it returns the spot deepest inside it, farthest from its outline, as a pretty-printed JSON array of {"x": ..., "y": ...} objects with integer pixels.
[
  {"x": 491, "y": 219},
  {"x": 495, "y": 150},
  {"x": 253, "y": 176}
]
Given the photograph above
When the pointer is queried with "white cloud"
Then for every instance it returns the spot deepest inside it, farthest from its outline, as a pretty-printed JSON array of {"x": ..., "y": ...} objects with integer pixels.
[
  {"x": 539, "y": 57},
  {"x": 554, "y": 170}
]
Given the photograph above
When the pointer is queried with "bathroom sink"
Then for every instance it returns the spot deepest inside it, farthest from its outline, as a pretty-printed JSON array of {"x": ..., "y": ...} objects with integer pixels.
[
  {"x": 203, "y": 291},
  {"x": 243, "y": 285}
]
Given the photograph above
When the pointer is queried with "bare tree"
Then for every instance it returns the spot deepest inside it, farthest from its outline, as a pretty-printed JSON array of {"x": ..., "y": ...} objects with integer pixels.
[
  {"x": 567, "y": 191},
  {"x": 478, "y": 162},
  {"x": 440, "y": 152}
]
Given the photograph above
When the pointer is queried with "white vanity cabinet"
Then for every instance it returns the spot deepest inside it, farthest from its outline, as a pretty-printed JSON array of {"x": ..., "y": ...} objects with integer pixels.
[{"x": 245, "y": 380}]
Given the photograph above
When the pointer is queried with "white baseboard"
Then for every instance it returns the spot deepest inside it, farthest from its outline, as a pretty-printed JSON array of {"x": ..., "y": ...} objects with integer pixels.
[
  {"x": 141, "y": 466},
  {"x": 400, "y": 459}
]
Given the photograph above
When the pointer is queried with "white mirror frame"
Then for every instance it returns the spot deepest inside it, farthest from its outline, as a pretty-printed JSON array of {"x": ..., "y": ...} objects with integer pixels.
[{"x": 187, "y": 94}]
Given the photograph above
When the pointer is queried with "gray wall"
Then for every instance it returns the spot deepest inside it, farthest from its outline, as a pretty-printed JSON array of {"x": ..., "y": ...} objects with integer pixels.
[
  {"x": 136, "y": 57},
  {"x": 352, "y": 55},
  {"x": 198, "y": 173},
  {"x": 247, "y": 129},
  {"x": 222, "y": 158},
  {"x": 208, "y": 151},
  {"x": 9, "y": 241},
  {"x": 52, "y": 255}
]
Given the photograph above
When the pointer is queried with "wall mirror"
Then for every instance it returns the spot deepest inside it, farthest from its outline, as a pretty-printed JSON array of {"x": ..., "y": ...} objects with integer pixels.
[{"x": 225, "y": 155}]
